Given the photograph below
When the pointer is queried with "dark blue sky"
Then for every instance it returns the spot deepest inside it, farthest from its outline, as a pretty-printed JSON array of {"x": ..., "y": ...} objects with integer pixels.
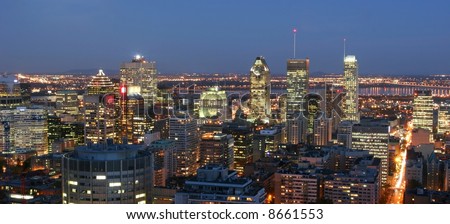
[{"x": 388, "y": 37}]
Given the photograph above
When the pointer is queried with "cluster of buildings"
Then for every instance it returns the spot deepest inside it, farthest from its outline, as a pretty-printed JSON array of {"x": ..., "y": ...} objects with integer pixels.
[{"x": 129, "y": 140}]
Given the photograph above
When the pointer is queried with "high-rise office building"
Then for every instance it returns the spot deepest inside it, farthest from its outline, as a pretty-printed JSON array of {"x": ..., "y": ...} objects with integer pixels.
[
  {"x": 321, "y": 131},
  {"x": 107, "y": 174},
  {"x": 259, "y": 91},
  {"x": 444, "y": 119},
  {"x": 266, "y": 141},
  {"x": 184, "y": 132},
  {"x": 332, "y": 95},
  {"x": 215, "y": 184},
  {"x": 213, "y": 104},
  {"x": 344, "y": 133},
  {"x": 423, "y": 109},
  {"x": 134, "y": 122},
  {"x": 351, "y": 88},
  {"x": 139, "y": 76},
  {"x": 243, "y": 143},
  {"x": 297, "y": 88},
  {"x": 217, "y": 148},
  {"x": 312, "y": 113},
  {"x": 10, "y": 93},
  {"x": 67, "y": 103},
  {"x": 297, "y": 83},
  {"x": 100, "y": 84},
  {"x": 98, "y": 109},
  {"x": 373, "y": 135},
  {"x": 164, "y": 151},
  {"x": 24, "y": 129}
]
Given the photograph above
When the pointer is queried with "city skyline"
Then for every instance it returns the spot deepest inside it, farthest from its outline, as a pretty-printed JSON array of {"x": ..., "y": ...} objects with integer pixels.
[{"x": 208, "y": 37}]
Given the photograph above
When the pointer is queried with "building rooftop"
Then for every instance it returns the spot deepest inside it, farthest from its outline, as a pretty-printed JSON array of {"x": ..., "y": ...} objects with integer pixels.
[{"x": 107, "y": 152}]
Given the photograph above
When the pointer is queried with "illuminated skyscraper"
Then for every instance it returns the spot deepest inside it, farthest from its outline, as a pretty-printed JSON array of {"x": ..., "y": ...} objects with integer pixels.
[
  {"x": 351, "y": 88},
  {"x": 423, "y": 109},
  {"x": 297, "y": 83},
  {"x": 10, "y": 93},
  {"x": 297, "y": 88},
  {"x": 259, "y": 90},
  {"x": 165, "y": 160},
  {"x": 23, "y": 129},
  {"x": 243, "y": 143},
  {"x": 444, "y": 119},
  {"x": 373, "y": 135},
  {"x": 217, "y": 148},
  {"x": 100, "y": 84},
  {"x": 183, "y": 130},
  {"x": 67, "y": 104},
  {"x": 139, "y": 76},
  {"x": 134, "y": 122},
  {"x": 213, "y": 104},
  {"x": 321, "y": 131},
  {"x": 99, "y": 110}
]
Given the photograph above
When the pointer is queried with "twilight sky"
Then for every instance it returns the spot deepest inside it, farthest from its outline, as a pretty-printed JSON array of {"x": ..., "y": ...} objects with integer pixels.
[{"x": 387, "y": 37}]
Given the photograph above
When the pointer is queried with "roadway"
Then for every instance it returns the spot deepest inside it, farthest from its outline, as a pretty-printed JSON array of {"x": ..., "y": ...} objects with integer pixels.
[{"x": 398, "y": 184}]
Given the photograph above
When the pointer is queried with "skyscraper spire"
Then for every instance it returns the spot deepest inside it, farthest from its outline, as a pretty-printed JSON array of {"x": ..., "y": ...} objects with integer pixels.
[
  {"x": 344, "y": 47},
  {"x": 295, "y": 39}
]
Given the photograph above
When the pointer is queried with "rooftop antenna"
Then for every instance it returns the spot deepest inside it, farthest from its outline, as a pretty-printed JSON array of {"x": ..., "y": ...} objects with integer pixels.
[
  {"x": 295, "y": 32},
  {"x": 344, "y": 47}
]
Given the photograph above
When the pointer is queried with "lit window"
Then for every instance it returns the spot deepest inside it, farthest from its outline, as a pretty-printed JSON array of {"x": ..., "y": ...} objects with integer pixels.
[
  {"x": 115, "y": 184},
  {"x": 100, "y": 177},
  {"x": 73, "y": 182},
  {"x": 140, "y": 195}
]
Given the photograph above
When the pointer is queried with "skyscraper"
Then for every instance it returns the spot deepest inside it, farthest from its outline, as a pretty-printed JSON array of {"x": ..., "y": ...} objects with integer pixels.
[
  {"x": 321, "y": 131},
  {"x": 259, "y": 90},
  {"x": 243, "y": 143},
  {"x": 351, "y": 88},
  {"x": 373, "y": 135},
  {"x": 423, "y": 109},
  {"x": 184, "y": 132},
  {"x": 139, "y": 76},
  {"x": 165, "y": 160},
  {"x": 213, "y": 104},
  {"x": 23, "y": 129},
  {"x": 217, "y": 148},
  {"x": 444, "y": 119},
  {"x": 297, "y": 88},
  {"x": 297, "y": 83},
  {"x": 98, "y": 111}
]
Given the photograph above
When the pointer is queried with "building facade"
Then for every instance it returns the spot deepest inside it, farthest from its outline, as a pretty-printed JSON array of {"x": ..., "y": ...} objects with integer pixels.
[
  {"x": 351, "y": 88},
  {"x": 184, "y": 132},
  {"x": 215, "y": 184},
  {"x": 423, "y": 110},
  {"x": 217, "y": 148},
  {"x": 259, "y": 90},
  {"x": 107, "y": 174}
]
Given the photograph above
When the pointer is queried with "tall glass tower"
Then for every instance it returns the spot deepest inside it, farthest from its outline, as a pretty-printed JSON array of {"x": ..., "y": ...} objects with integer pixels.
[
  {"x": 423, "y": 106},
  {"x": 297, "y": 83},
  {"x": 139, "y": 76},
  {"x": 259, "y": 90},
  {"x": 351, "y": 88},
  {"x": 98, "y": 110},
  {"x": 297, "y": 88}
]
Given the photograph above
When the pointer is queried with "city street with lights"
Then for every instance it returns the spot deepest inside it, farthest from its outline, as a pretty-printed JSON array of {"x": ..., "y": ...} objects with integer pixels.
[{"x": 396, "y": 192}]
